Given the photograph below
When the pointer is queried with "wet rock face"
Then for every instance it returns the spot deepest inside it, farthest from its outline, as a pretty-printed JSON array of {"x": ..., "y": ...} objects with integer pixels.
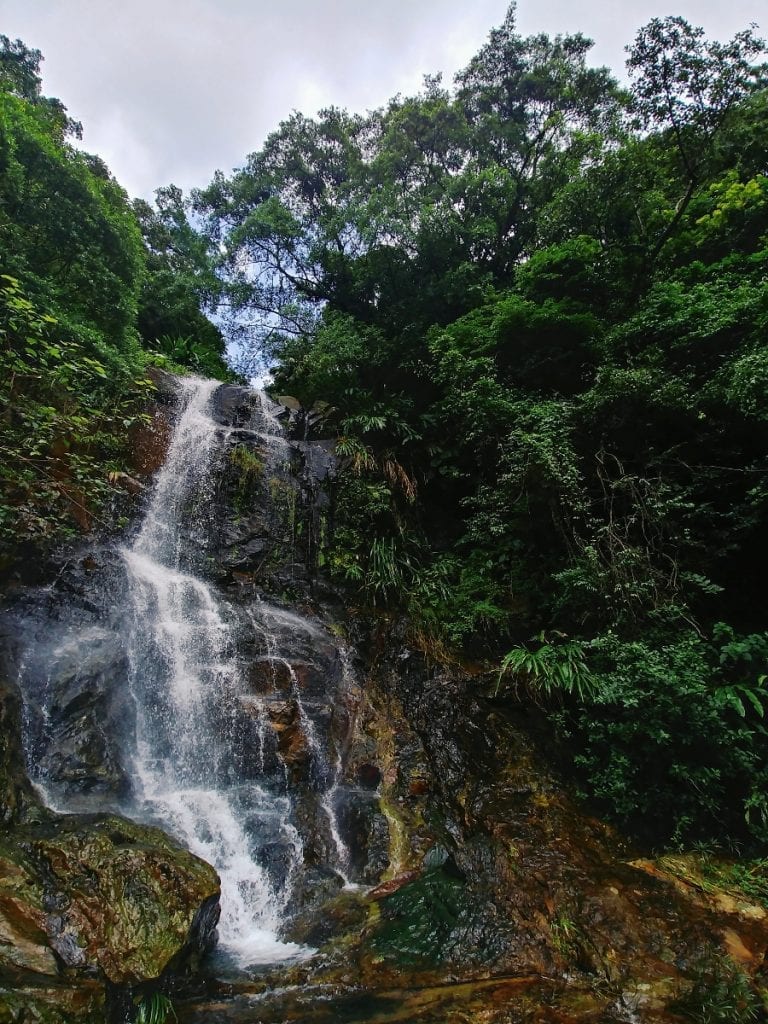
[
  {"x": 272, "y": 503},
  {"x": 65, "y": 643},
  {"x": 83, "y": 753},
  {"x": 149, "y": 440},
  {"x": 102, "y": 898},
  {"x": 498, "y": 867},
  {"x": 15, "y": 791}
]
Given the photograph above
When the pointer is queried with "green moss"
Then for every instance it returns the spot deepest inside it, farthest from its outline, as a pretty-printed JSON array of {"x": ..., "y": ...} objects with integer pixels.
[
  {"x": 48, "y": 1003},
  {"x": 132, "y": 893},
  {"x": 284, "y": 498},
  {"x": 418, "y": 919},
  {"x": 247, "y": 462}
]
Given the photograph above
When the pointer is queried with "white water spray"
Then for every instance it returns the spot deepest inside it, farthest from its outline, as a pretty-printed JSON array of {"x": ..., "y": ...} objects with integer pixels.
[{"x": 184, "y": 680}]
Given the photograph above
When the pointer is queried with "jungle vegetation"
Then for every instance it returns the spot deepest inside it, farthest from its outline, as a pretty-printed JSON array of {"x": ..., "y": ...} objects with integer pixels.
[
  {"x": 93, "y": 289},
  {"x": 531, "y": 306}
]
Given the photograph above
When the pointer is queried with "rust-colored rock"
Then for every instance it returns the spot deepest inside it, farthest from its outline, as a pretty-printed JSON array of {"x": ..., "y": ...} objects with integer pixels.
[
  {"x": 269, "y": 675},
  {"x": 294, "y": 748},
  {"x": 148, "y": 442},
  {"x": 387, "y": 888}
]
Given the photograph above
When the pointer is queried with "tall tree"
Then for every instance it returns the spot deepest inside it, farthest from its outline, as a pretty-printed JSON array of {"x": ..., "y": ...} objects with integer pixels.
[
  {"x": 180, "y": 281},
  {"x": 688, "y": 86}
]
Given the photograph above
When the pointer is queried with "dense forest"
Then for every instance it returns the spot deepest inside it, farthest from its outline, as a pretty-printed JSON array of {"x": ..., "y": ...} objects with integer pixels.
[{"x": 531, "y": 307}]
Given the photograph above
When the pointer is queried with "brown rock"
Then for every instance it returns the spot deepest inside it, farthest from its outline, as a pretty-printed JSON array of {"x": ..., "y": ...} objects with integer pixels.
[
  {"x": 23, "y": 939},
  {"x": 148, "y": 442},
  {"x": 293, "y": 745},
  {"x": 281, "y": 714},
  {"x": 387, "y": 888}
]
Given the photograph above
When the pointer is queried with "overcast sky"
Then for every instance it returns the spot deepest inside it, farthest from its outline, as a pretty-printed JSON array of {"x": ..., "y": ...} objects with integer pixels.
[{"x": 171, "y": 90}]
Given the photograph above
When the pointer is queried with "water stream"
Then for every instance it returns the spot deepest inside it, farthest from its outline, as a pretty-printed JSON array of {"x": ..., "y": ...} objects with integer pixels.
[
  {"x": 185, "y": 684},
  {"x": 201, "y": 753}
]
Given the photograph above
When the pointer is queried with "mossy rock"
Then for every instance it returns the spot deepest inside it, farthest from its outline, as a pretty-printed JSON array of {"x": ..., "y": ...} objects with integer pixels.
[
  {"x": 29, "y": 1000},
  {"x": 16, "y": 794},
  {"x": 102, "y": 897},
  {"x": 418, "y": 920}
]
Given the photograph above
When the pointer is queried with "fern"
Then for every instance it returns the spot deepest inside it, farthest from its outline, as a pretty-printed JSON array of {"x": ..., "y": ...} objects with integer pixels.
[
  {"x": 361, "y": 458},
  {"x": 736, "y": 694},
  {"x": 387, "y": 568},
  {"x": 552, "y": 669}
]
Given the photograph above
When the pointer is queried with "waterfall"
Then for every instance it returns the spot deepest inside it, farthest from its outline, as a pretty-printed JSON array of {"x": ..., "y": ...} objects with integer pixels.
[
  {"x": 185, "y": 683},
  {"x": 152, "y": 690}
]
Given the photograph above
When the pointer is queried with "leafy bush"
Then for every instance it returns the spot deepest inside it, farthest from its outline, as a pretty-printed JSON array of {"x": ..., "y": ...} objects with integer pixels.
[
  {"x": 671, "y": 741},
  {"x": 64, "y": 425}
]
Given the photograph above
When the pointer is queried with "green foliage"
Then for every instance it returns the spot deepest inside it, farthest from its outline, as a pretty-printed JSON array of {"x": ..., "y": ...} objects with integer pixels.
[
  {"x": 454, "y": 601},
  {"x": 179, "y": 282},
  {"x": 71, "y": 369},
  {"x": 283, "y": 499},
  {"x": 746, "y": 878},
  {"x": 386, "y": 570},
  {"x": 20, "y": 76},
  {"x": 555, "y": 668},
  {"x": 722, "y": 994},
  {"x": 689, "y": 85},
  {"x": 79, "y": 256},
  {"x": 77, "y": 281},
  {"x": 63, "y": 427},
  {"x": 674, "y": 731},
  {"x": 251, "y": 467},
  {"x": 155, "y": 1009},
  {"x": 187, "y": 353},
  {"x": 748, "y": 384}
]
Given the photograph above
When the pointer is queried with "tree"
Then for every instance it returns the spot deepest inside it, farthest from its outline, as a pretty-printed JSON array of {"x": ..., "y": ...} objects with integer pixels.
[
  {"x": 20, "y": 76},
  {"x": 689, "y": 86},
  {"x": 179, "y": 282},
  {"x": 70, "y": 363},
  {"x": 536, "y": 111},
  {"x": 20, "y": 69}
]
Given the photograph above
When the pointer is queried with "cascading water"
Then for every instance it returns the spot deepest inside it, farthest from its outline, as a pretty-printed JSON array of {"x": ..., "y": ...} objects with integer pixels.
[
  {"x": 324, "y": 777},
  {"x": 185, "y": 683},
  {"x": 159, "y": 686}
]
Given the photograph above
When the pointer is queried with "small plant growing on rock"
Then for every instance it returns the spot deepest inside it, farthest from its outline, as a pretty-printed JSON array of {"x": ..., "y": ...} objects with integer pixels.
[
  {"x": 722, "y": 994},
  {"x": 249, "y": 464},
  {"x": 552, "y": 670},
  {"x": 155, "y": 1009}
]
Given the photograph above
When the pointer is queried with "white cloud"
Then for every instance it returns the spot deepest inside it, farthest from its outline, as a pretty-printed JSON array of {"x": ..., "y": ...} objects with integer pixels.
[{"x": 169, "y": 90}]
